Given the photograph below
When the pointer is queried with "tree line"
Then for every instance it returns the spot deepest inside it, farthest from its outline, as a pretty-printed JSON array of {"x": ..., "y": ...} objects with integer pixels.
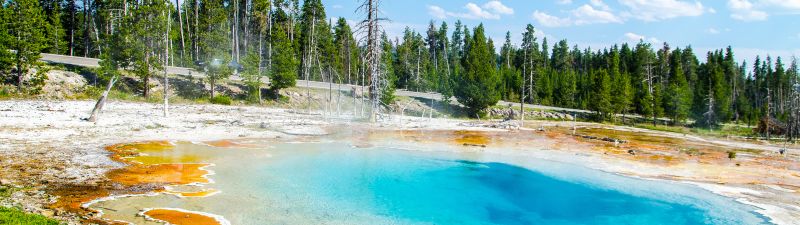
[{"x": 284, "y": 40}]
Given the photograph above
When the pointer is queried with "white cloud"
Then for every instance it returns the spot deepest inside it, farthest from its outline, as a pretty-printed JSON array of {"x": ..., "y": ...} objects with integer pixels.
[
  {"x": 600, "y": 4},
  {"x": 792, "y": 5},
  {"x": 588, "y": 15},
  {"x": 498, "y": 7},
  {"x": 337, "y": 6},
  {"x": 476, "y": 12},
  {"x": 582, "y": 15},
  {"x": 712, "y": 10},
  {"x": 744, "y": 10},
  {"x": 437, "y": 12},
  {"x": 750, "y": 15},
  {"x": 655, "y": 10},
  {"x": 633, "y": 37},
  {"x": 740, "y": 4},
  {"x": 564, "y": 2},
  {"x": 491, "y": 10},
  {"x": 550, "y": 21},
  {"x": 713, "y": 31}
]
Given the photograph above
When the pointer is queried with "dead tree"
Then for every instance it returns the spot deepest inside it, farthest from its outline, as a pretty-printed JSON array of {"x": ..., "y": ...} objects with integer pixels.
[
  {"x": 102, "y": 101},
  {"x": 180, "y": 21},
  {"x": 166, "y": 60},
  {"x": 794, "y": 115},
  {"x": 98, "y": 107},
  {"x": 307, "y": 58},
  {"x": 522, "y": 88},
  {"x": 372, "y": 28}
]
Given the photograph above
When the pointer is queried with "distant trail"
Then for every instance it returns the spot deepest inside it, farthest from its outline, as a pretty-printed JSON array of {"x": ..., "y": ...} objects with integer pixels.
[{"x": 183, "y": 71}]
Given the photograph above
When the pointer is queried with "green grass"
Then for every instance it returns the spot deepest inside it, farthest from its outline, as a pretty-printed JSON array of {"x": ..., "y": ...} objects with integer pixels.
[
  {"x": 221, "y": 100},
  {"x": 5, "y": 192},
  {"x": 18, "y": 217}
]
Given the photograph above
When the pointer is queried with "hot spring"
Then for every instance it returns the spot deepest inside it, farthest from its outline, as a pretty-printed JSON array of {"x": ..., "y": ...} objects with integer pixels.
[{"x": 335, "y": 182}]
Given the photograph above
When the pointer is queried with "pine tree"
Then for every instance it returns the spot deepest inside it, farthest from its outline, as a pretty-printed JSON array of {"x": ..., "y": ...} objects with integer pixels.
[
  {"x": 251, "y": 73},
  {"x": 530, "y": 62},
  {"x": 147, "y": 25},
  {"x": 55, "y": 32},
  {"x": 477, "y": 86},
  {"x": 678, "y": 99},
  {"x": 346, "y": 50},
  {"x": 621, "y": 94},
  {"x": 601, "y": 98},
  {"x": 284, "y": 69},
  {"x": 27, "y": 26},
  {"x": 315, "y": 40},
  {"x": 443, "y": 46},
  {"x": 214, "y": 42},
  {"x": 6, "y": 58},
  {"x": 387, "y": 59}
]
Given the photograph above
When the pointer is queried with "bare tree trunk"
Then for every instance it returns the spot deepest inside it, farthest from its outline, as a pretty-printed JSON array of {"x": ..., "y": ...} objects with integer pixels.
[
  {"x": 330, "y": 91},
  {"x": 166, "y": 59},
  {"x": 269, "y": 51},
  {"x": 236, "y": 31},
  {"x": 522, "y": 103},
  {"x": 97, "y": 37},
  {"x": 102, "y": 101},
  {"x": 85, "y": 28},
  {"x": 419, "y": 55},
  {"x": 260, "y": 57},
  {"x": 196, "y": 32},
  {"x": 308, "y": 57},
  {"x": 189, "y": 31},
  {"x": 72, "y": 27},
  {"x": 246, "y": 24},
  {"x": 213, "y": 83},
  {"x": 373, "y": 70},
  {"x": 180, "y": 21}
]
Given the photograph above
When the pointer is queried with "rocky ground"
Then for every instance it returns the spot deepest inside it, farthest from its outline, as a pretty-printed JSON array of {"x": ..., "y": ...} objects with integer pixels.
[{"x": 45, "y": 143}]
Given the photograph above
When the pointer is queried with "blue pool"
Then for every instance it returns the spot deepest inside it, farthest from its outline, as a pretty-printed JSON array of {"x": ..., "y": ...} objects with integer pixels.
[
  {"x": 336, "y": 183},
  {"x": 439, "y": 188}
]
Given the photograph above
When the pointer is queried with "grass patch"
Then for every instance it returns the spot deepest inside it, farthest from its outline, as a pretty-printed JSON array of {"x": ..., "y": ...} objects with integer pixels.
[
  {"x": 18, "y": 217},
  {"x": 5, "y": 192},
  {"x": 5, "y": 92},
  {"x": 221, "y": 100},
  {"x": 726, "y": 130}
]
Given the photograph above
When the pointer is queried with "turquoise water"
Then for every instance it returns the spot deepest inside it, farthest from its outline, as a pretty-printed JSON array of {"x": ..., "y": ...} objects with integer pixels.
[
  {"x": 399, "y": 186},
  {"x": 334, "y": 183}
]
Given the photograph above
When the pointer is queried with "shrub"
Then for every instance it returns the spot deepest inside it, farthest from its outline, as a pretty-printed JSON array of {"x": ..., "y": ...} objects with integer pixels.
[
  {"x": 731, "y": 155},
  {"x": 220, "y": 100},
  {"x": 15, "y": 216}
]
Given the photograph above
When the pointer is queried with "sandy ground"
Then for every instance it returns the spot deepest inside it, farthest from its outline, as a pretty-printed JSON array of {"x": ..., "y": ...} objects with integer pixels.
[{"x": 45, "y": 143}]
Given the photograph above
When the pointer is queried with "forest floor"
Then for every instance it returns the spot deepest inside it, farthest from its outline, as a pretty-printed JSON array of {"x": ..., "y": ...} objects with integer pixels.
[{"x": 46, "y": 147}]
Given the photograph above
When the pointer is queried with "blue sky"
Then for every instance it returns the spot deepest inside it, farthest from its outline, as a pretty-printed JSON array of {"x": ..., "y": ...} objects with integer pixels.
[{"x": 752, "y": 27}]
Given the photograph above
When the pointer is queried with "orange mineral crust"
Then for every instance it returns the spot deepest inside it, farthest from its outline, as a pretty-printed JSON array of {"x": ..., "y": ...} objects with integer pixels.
[
  {"x": 223, "y": 144},
  {"x": 161, "y": 173},
  {"x": 202, "y": 193},
  {"x": 151, "y": 153},
  {"x": 181, "y": 218},
  {"x": 123, "y": 152}
]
